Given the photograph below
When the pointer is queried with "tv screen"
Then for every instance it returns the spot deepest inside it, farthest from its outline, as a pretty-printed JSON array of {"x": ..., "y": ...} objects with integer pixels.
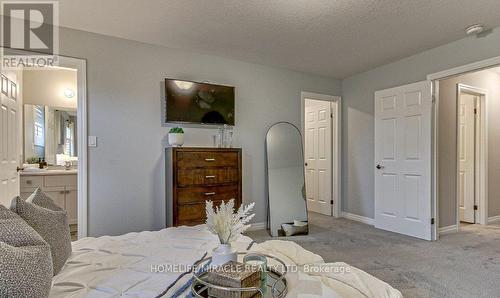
[{"x": 193, "y": 102}]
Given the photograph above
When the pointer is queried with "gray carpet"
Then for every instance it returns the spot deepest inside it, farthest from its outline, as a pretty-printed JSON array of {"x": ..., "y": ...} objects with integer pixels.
[{"x": 464, "y": 264}]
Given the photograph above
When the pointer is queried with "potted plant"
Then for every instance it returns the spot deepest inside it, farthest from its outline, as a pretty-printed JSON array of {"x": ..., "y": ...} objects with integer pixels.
[
  {"x": 228, "y": 225},
  {"x": 176, "y": 137}
]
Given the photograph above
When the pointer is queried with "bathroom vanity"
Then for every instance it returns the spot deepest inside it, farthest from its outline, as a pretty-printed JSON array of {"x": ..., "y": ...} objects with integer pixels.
[{"x": 60, "y": 185}]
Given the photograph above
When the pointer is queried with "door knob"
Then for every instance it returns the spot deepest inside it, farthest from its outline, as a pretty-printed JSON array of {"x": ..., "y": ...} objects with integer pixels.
[
  {"x": 379, "y": 167},
  {"x": 19, "y": 169},
  {"x": 306, "y": 164}
]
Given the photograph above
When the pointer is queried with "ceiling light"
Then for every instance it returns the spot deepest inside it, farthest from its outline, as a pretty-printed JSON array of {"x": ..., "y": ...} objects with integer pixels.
[
  {"x": 475, "y": 29},
  {"x": 69, "y": 93}
]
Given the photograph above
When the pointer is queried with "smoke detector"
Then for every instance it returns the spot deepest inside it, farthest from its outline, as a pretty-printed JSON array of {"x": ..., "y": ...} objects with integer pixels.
[{"x": 475, "y": 29}]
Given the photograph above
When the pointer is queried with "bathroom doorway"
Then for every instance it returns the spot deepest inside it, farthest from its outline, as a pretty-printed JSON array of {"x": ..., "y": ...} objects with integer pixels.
[{"x": 47, "y": 136}]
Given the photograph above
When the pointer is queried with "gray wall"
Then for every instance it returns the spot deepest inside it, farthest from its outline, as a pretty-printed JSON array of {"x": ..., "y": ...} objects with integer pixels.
[
  {"x": 357, "y": 98},
  {"x": 489, "y": 81},
  {"x": 125, "y": 94}
]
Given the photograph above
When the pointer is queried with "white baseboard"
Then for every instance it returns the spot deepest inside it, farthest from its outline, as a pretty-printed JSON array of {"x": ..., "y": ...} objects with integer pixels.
[
  {"x": 493, "y": 218},
  {"x": 355, "y": 217},
  {"x": 448, "y": 229},
  {"x": 258, "y": 226}
]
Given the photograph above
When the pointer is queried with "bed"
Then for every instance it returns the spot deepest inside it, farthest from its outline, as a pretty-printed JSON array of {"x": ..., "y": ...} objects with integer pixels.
[{"x": 148, "y": 264}]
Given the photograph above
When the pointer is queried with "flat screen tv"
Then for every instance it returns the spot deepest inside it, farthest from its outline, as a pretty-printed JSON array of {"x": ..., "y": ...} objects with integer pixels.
[{"x": 201, "y": 103}]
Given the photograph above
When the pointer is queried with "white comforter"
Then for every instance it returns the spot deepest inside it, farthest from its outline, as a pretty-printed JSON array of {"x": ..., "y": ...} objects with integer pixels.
[{"x": 140, "y": 265}]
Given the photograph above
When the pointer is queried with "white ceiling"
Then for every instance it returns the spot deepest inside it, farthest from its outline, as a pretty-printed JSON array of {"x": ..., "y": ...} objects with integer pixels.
[{"x": 335, "y": 38}]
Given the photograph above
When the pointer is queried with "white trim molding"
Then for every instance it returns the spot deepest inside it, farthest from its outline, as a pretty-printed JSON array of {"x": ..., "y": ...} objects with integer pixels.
[
  {"x": 257, "y": 226},
  {"x": 448, "y": 229},
  {"x": 359, "y": 218},
  {"x": 81, "y": 66},
  {"x": 493, "y": 219},
  {"x": 465, "y": 69}
]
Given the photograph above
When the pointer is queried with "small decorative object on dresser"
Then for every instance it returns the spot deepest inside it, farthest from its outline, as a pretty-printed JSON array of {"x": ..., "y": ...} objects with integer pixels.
[
  {"x": 195, "y": 175},
  {"x": 176, "y": 137}
]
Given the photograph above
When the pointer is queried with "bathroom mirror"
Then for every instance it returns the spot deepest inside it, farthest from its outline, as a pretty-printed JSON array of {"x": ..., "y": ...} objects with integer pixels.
[
  {"x": 286, "y": 185},
  {"x": 50, "y": 134}
]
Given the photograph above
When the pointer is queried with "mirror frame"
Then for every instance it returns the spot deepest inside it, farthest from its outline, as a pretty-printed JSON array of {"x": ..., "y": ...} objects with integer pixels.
[{"x": 268, "y": 224}]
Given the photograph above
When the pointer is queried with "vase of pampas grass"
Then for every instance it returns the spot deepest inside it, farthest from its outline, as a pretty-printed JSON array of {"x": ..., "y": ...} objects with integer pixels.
[{"x": 228, "y": 225}]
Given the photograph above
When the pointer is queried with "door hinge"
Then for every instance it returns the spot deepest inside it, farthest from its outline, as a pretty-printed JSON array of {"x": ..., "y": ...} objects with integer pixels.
[
  {"x": 432, "y": 221},
  {"x": 331, "y": 202},
  {"x": 475, "y": 111},
  {"x": 475, "y": 207},
  {"x": 331, "y": 115}
]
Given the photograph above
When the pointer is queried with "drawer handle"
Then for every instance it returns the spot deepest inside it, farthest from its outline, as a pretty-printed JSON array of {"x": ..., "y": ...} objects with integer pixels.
[
  {"x": 210, "y": 193},
  {"x": 29, "y": 182},
  {"x": 209, "y": 159},
  {"x": 210, "y": 177}
]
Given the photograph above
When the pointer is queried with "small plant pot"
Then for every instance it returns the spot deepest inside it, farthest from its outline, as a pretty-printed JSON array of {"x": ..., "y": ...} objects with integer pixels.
[
  {"x": 176, "y": 139},
  {"x": 223, "y": 254}
]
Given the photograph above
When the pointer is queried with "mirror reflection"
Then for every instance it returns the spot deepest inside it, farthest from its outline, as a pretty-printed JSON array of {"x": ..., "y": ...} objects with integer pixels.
[
  {"x": 50, "y": 135},
  {"x": 286, "y": 186}
]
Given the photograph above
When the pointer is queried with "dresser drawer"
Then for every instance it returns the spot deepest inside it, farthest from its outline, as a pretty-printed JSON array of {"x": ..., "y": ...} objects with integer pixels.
[
  {"x": 194, "y": 212},
  {"x": 190, "y": 222},
  {"x": 31, "y": 181},
  {"x": 201, "y": 194},
  {"x": 192, "y": 159},
  {"x": 60, "y": 180},
  {"x": 207, "y": 176}
]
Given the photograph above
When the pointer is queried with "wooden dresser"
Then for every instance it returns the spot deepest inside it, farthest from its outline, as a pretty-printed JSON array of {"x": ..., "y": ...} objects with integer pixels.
[{"x": 195, "y": 175}]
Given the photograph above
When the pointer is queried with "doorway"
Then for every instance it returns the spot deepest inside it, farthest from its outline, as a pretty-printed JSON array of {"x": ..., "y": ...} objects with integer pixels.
[
  {"x": 436, "y": 199},
  {"x": 321, "y": 135},
  {"x": 47, "y": 124},
  {"x": 464, "y": 134},
  {"x": 470, "y": 174},
  {"x": 50, "y": 153}
]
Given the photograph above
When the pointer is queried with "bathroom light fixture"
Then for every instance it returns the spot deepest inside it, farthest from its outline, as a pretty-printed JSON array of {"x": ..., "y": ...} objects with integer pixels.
[
  {"x": 184, "y": 85},
  {"x": 475, "y": 29},
  {"x": 69, "y": 93}
]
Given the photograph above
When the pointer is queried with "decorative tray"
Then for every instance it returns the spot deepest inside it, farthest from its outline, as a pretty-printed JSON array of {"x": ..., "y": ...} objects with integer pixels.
[{"x": 276, "y": 282}]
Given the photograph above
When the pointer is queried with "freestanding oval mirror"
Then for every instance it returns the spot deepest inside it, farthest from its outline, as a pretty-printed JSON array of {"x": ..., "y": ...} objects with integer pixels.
[{"x": 285, "y": 176}]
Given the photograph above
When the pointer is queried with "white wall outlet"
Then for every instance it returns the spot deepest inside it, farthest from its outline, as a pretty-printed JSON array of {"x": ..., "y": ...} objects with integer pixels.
[{"x": 92, "y": 141}]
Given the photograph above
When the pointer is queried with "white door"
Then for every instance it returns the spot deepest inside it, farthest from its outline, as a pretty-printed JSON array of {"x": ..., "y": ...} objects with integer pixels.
[
  {"x": 466, "y": 141},
  {"x": 10, "y": 146},
  {"x": 403, "y": 159},
  {"x": 318, "y": 152}
]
